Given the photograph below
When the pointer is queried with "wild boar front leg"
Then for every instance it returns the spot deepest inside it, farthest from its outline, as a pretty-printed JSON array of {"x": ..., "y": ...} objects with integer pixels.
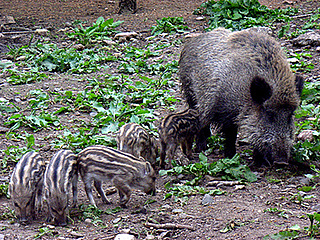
[{"x": 124, "y": 191}]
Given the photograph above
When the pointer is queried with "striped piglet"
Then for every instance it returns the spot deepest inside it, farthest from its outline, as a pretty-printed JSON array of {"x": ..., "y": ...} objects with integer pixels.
[
  {"x": 123, "y": 170},
  {"x": 60, "y": 174},
  {"x": 134, "y": 139},
  {"x": 25, "y": 187},
  {"x": 177, "y": 128}
]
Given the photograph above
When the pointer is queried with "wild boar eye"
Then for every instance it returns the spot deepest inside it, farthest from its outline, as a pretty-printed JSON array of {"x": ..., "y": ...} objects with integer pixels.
[{"x": 16, "y": 205}]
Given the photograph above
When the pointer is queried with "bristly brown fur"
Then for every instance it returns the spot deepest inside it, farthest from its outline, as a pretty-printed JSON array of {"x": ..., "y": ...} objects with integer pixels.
[
  {"x": 134, "y": 139},
  {"x": 242, "y": 81}
]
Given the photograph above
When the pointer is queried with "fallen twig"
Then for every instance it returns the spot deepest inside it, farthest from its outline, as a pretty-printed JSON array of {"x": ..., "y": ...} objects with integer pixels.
[
  {"x": 225, "y": 183},
  {"x": 302, "y": 16},
  {"x": 169, "y": 226},
  {"x": 20, "y": 32}
]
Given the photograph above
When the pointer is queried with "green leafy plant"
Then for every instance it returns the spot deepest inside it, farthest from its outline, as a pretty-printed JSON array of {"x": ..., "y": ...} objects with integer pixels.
[
  {"x": 81, "y": 139},
  {"x": 308, "y": 113},
  {"x": 38, "y": 99},
  {"x": 296, "y": 232},
  {"x": 118, "y": 100},
  {"x": 228, "y": 169},
  {"x": 304, "y": 64},
  {"x": 45, "y": 231},
  {"x": 313, "y": 22},
  {"x": 314, "y": 226},
  {"x": 93, "y": 213},
  {"x": 7, "y": 106},
  {"x": 48, "y": 57},
  {"x": 277, "y": 211},
  {"x": 17, "y": 78},
  {"x": 4, "y": 190},
  {"x": 8, "y": 214},
  {"x": 240, "y": 14},
  {"x": 169, "y": 25},
  {"x": 288, "y": 234},
  {"x": 100, "y": 30},
  {"x": 14, "y": 153},
  {"x": 181, "y": 192},
  {"x": 36, "y": 122}
]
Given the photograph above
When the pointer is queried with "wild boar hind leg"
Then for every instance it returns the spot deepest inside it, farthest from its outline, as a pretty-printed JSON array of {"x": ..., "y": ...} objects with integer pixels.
[
  {"x": 88, "y": 188},
  {"x": 98, "y": 186}
]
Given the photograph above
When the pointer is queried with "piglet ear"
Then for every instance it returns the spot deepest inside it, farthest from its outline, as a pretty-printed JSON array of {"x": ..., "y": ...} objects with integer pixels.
[
  {"x": 299, "y": 84},
  {"x": 260, "y": 90},
  {"x": 149, "y": 168}
]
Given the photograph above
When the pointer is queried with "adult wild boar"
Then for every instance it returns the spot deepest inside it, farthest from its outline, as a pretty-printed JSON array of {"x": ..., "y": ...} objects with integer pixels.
[{"x": 242, "y": 82}]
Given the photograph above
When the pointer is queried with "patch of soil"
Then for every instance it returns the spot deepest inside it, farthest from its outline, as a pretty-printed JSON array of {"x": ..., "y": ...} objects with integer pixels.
[{"x": 240, "y": 213}]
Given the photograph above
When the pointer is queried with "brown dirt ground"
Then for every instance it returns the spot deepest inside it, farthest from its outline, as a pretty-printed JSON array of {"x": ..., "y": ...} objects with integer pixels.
[{"x": 243, "y": 210}]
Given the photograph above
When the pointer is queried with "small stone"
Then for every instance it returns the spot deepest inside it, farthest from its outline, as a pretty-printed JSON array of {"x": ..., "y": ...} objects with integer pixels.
[
  {"x": 6, "y": 20},
  {"x": 239, "y": 187},
  {"x": 76, "y": 235},
  {"x": 63, "y": 29},
  {"x": 166, "y": 207},
  {"x": 149, "y": 237},
  {"x": 115, "y": 221},
  {"x": 306, "y": 135},
  {"x": 207, "y": 199},
  {"x": 293, "y": 60},
  {"x": 109, "y": 42},
  {"x": 300, "y": 180},
  {"x": 126, "y": 230},
  {"x": 51, "y": 226},
  {"x": 78, "y": 47},
  {"x": 93, "y": 114},
  {"x": 21, "y": 58},
  {"x": 41, "y": 31},
  {"x": 177, "y": 210},
  {"x": 265, "y": 30},
  {"x": 163, "y": 234},
  {"x": 200, "y": 18},
  {"x": 117, "y": 54},
  {"x": 191, "y": 35},
  {"x": 125, "y": 35},
  {"x": 310, "y": 38},
  {"x": 88, "y": 221},
  {"x": 124, "y": 237},
  {"x": 318, "y": 49}
]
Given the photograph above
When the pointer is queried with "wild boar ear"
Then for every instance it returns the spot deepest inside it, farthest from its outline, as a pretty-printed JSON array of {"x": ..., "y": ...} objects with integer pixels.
[
  {"x": 299, "y": 84},
  {"x": 260, "y": 90}
]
